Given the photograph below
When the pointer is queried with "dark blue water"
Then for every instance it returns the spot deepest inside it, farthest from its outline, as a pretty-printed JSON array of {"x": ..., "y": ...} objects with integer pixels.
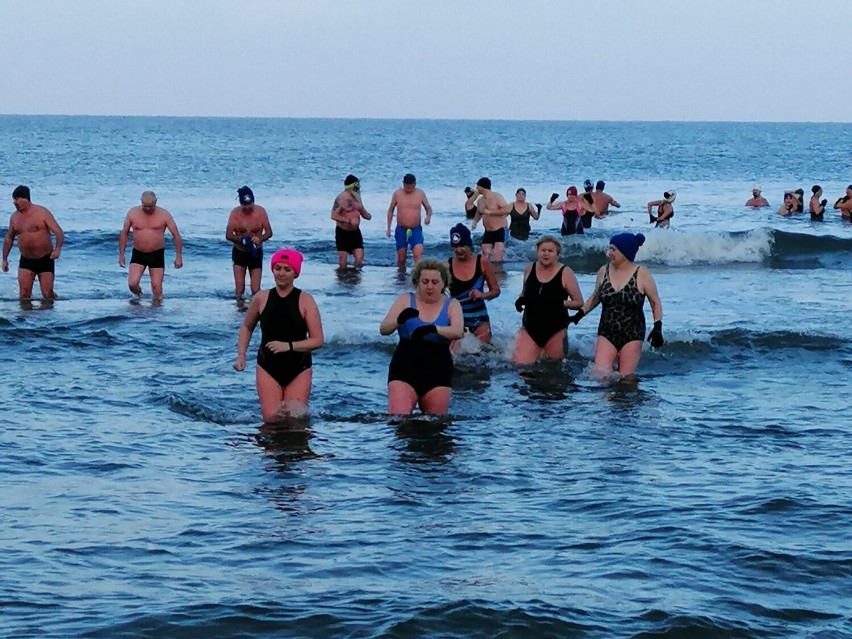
[{"x": 141, "y": 497}]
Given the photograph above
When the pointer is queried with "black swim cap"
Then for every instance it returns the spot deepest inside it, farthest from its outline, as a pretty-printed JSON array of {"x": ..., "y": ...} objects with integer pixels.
[
  {"x": 484, "y": 182},
  {"x": 600, "y": 185},
  {"x": 350, "y": 179},
  {"x": 21, "y": 191},
  {"x": 815, "y": 188},
  {"x": 409, "y": 178},
  {"x": 245, "y": 195}
]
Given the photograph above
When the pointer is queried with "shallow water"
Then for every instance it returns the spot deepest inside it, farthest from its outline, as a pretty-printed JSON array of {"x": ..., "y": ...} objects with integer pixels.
[{"x": 141, "y": 497}]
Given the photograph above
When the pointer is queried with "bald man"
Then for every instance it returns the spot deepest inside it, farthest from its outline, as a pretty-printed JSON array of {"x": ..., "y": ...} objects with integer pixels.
[{"x": 148, "y": 222}]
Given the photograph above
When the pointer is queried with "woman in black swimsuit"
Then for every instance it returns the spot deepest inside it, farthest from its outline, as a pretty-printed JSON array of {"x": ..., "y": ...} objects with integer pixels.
[
  {"x": 520, "y": 214},
  {"x": 549, "y": 289},
  {"x": 621, "y": 287},
  {"x": 291, "y": 329}
]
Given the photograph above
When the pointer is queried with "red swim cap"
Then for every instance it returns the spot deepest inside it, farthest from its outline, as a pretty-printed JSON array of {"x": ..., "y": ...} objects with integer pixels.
[{"x": 290, "y": 257}]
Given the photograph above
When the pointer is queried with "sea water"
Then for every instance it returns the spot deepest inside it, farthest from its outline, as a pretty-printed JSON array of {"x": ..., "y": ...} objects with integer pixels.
[{"x": 141, "y": 496}]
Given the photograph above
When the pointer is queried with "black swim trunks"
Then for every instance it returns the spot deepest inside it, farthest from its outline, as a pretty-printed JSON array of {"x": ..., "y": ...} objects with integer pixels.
[
  {"x": 37, "y": 265},
  {"x": 154, "y": 259},
  {"x": 348, "y": 241},
  {"x": 492, "y": 237},
  {"x": 247, "y": 259}
]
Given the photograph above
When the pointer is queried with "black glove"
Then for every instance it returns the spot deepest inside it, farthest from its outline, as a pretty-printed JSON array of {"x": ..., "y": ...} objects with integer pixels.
[
  {"x": 519, "y": 304},
  {"x": 468, "y": 191},
  {"x": 656, "y": 335},
  {"x": 823, "y": 203},
  {"x": 652, "y": 218},
  {"x": 407, "y": 314},
  {"x": 422, "y": 331},
  {"x": 554, "y": 197},
  {"x": 538, "y": 206},
  {"x": 576, "y": 317}
]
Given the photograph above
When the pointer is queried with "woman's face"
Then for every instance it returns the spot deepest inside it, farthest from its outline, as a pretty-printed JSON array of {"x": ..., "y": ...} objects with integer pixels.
[
  {"x": 615, "y": 256},
  {"x": 284, "y": 274},
  {"x": 462, "y": 252},
  {"x": 547, "y": 253},
  {"x": 521, "y": 196},
  {"x": 430, "y": 285}
]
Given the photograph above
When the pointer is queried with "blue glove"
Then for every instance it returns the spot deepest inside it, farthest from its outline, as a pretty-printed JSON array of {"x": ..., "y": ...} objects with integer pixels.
[
  {"x": 656, "y": 335},
  {"x": 422, "y": 331},
  {"x": 407, "y": 314}
]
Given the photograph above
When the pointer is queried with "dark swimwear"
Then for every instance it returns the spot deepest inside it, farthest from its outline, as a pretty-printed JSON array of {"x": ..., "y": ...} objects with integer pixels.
[
  {"x": 622, "y": 318},
  {"x": 519, "y": 224},
  {"x": 545, "y": 314},
  {"x": 281, "y": 321},
  {"x": 492, "y": 237},
  {"x": 426, "y": 363},
  {"x": 38, "y": 265},
  {"x": 154, "y": 259},
  {"x": 474, "y": 311},
  {"x": 470, "y": 214},
  {"x": 348, "y": 241},
  {"x": 571, "y": 224},
  {"x": 247, "y": 259},
  {"x": 587, "y": 216}
]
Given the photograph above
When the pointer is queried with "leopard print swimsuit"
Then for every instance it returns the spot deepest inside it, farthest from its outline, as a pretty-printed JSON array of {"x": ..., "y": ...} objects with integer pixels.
[{"x": 622, "y": 318}]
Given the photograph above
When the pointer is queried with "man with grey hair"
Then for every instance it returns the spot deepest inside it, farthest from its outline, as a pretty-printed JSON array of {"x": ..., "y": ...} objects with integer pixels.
[{"x": 148, "y": 222}]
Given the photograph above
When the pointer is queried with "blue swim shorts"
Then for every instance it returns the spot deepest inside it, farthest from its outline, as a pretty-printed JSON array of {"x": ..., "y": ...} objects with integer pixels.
[{"x": 408, "y": 237}]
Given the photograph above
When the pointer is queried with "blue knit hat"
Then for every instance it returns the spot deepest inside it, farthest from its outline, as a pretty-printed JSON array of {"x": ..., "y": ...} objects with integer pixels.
[
  {"x": 460, "y": 236},
  {"x": 628, "y": 244}
]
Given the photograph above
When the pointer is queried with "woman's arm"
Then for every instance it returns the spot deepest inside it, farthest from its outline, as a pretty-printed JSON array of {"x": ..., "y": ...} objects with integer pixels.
[{"x": 389, "y": 323}]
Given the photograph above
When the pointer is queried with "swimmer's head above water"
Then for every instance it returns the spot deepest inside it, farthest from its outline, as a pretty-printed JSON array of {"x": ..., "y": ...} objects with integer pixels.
[{"x": 290, "y": 257}]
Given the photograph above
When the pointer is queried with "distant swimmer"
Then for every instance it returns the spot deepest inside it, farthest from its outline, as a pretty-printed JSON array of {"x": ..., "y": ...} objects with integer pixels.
[
  {"x": 797, "y": 196},
  {"x": 148, "y": 223},
  {"x": 347, "y": 212},
  {"x": 519, "y": 215},
  {"x": 33, "y": 224},
  {"x": 291, "y": 329},
  {"x": 493, "y": 210},
  {"x": 587, "y": 203},
  {"x": 844, "y": 204},
  {"x": 602, "y": 199},
  {"x": 621, "y": 287},
  {"x": 407, "y": 202},
  {"x": 421, "y": 369},
  {"x": 788, "y": 204},
  {"x": 571, "y": 209},
  {"x": 665, "y": 210},
  {"x": 549, "y": 289},
  {"x": 247, "y": 229},
  {"x": 816, "y": 205},
  {"x": 470, "y": 277},
  {"x": 757, "y": 200},
  {"x": 470, "y": 202}
]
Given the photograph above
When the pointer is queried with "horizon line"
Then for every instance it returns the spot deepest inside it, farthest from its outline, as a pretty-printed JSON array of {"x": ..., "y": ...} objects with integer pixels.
[{"x": 414, "y": 119}]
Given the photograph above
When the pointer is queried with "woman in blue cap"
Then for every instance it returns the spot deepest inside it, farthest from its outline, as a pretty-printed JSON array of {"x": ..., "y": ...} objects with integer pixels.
[
  {"x": 621, "y": 287},
  {"x": 471, "y": 275}
]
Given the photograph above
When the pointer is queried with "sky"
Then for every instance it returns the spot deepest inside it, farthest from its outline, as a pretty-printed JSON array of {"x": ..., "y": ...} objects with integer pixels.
[{"x": 705, "y": 60}]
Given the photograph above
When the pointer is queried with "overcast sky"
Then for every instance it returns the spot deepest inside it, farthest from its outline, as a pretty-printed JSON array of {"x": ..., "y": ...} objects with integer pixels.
[{"x": 753, "y": 60}]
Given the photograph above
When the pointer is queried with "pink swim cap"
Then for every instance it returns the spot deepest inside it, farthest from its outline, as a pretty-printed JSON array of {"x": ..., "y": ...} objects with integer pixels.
[
  {"x": 572, "y": 190},
  {"x": 289, "y": 257}
]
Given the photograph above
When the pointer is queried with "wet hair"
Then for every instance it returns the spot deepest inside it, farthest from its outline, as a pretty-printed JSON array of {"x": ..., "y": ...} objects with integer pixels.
[
  {"x": 431, "y": 264},
  {"x": 549, "y": 238}
]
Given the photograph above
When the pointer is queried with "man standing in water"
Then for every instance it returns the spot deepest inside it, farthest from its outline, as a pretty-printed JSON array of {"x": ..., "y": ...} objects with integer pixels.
[
  {"x": 248, "y": 228},
  {"x": 492, "y": 208},
  {"x": 756, "y": 200},
  {"x": 602, "y": 200},
  {"x": 347, "y": 212},
  {"x": 409, "y": 233},
  {"x": 148, "y": 223},
  {"x": 32, "y": 224}
]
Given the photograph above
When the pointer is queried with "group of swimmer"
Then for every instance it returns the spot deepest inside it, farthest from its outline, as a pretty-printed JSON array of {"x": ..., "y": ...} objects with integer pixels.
[
  {"x": 447, "y": 300},
  {"x": 794, "y": 202}
]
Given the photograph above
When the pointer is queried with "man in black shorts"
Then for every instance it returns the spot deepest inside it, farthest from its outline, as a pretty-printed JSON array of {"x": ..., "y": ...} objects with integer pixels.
[{"x": 347, "y": 212}]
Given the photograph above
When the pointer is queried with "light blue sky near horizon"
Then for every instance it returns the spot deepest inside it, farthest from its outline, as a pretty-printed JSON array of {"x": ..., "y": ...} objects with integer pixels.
[{"x": 746, "y": 60}]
